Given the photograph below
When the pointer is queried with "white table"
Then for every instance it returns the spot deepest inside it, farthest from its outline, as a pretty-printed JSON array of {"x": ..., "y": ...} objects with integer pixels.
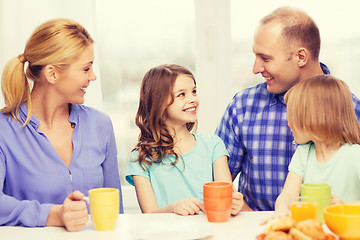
[{"x": 245, "y": 226}]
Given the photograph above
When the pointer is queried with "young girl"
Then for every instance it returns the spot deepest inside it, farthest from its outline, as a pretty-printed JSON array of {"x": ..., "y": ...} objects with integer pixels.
[
  {"x": 322, "y": 119},
  {"x": 169, "y": 164}
]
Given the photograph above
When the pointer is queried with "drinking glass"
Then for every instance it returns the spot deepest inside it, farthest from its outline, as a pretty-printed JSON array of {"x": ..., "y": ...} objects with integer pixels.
[
  {"x": 321, "y": 192},
  {"x": 303, "y": 208},
  {"x": 217, "y": 201}
]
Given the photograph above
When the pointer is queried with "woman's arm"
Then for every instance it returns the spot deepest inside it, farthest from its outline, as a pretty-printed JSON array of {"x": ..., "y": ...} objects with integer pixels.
[
  {"x": 72, "y": 213},
  {"x": 222, "y": 173},
  {"x": 148, "y": 203},
  {"x": 110, "y": 165},
  {"x": 14, "y": 212}
]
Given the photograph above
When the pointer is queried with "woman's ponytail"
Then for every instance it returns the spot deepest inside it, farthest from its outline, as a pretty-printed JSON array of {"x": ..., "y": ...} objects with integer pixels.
[{"x": 15, "y": 87}]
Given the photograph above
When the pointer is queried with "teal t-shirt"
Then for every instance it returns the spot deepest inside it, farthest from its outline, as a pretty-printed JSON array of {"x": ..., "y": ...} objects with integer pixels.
[
  {"x": 185, "y": 179},
  {"x": 341, "y": 172}
]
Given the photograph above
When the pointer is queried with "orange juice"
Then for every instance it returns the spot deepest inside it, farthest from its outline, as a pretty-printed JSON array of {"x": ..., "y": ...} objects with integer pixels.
[{"x": 301, "y": 211}]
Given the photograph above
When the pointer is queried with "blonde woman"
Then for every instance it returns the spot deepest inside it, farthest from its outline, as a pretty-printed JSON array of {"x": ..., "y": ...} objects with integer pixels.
[
  {"x": 53, "y": 149},
  {"x": 323, "y": 121}
]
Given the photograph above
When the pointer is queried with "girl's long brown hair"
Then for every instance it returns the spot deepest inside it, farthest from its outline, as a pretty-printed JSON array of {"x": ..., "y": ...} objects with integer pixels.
[
  {"x": 322, "y": 106},
  {"x": 155, "y": 142}
]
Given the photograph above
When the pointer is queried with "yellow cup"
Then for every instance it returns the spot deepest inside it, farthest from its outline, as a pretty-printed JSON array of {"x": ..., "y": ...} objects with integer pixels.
[{"x": 104, "y": 207}]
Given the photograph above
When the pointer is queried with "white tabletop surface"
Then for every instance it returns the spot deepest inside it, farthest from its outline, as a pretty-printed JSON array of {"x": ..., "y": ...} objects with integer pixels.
[{"x": 152, "y": 226}]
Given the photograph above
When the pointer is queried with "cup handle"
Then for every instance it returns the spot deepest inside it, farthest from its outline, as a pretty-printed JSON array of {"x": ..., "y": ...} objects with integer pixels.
[{"x": 86, "y": 199}]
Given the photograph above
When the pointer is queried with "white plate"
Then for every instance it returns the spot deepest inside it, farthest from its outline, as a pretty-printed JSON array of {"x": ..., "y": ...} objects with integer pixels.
[{"x": 174, "y": 231}]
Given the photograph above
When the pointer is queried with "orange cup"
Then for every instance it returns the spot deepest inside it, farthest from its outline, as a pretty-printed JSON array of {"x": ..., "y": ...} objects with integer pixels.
[
  {"x": 303, "y": 208},
  {"x": 217, "y": 201}
]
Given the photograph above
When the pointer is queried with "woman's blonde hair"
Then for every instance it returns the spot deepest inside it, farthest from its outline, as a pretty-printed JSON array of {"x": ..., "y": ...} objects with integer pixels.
[
  {"x": 57, "y": 42},
  {"x": 322, "y": 106}
]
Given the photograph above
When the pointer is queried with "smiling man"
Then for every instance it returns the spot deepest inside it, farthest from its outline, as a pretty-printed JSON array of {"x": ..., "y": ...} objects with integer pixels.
[{"x": 254, "y": 126}]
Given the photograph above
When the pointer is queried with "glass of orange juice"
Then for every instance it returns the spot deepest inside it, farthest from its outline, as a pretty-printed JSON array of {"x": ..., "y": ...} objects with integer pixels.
[{"x": 303, "y": 208}]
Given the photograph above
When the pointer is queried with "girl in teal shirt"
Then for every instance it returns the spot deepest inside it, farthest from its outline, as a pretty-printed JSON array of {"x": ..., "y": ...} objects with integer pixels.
[{"x": 169, "y": 164}]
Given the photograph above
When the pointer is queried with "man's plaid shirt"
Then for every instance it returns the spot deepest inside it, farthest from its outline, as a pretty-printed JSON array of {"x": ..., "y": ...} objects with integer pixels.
[{"x": 255, "y": 131}]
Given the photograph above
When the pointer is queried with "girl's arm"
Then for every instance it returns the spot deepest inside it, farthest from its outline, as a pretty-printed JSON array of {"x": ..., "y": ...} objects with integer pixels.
[
  {"x": 336, "y": 200},
  {"x": 145, "y": 194},
  {"x": 148, "y": 203},
  {"x": 245, "y": 207},
  {"x": 291, "y": 190},
  {"x": 221, "y": 170},
  {"x": 222, "y": 173}
]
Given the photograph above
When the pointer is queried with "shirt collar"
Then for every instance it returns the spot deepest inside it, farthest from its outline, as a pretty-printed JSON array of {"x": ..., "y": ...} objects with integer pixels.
[
  {"x": 324, "y": 68},
  {"x": 277, "y": 98},
  {"x": 74, "y": 114},
  {"x": 23, "y": 113},
  {"x": 34, "y": 122}
]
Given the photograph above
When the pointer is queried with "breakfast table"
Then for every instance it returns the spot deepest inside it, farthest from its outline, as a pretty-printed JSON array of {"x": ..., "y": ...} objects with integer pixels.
[{"x": 245, "y": 226}]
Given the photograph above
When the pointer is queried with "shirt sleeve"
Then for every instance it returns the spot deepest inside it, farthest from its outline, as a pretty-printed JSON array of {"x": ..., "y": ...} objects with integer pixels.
[
  {"x": 110, "y": 165},
  {"x": 229, "y": 131},
  {"x": 299, "y": 160},
  {"x": 134, "y": 168},
  {"x": 14, "y": 212},
  {"x": 219, "y": 149}
]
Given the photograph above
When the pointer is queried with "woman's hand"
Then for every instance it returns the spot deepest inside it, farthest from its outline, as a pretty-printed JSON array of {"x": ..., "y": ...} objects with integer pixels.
[
  {"x": 237, "y": 202},
  {"x": 187, "y": 206},
  {"x": 72, "y": 214}
]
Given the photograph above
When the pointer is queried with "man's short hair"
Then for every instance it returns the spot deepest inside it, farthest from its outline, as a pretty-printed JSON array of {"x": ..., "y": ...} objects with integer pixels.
[{"x": 299, "y": 29}]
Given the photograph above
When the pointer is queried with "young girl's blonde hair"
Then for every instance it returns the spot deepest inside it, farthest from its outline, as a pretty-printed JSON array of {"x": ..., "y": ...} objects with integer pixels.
[
  {"x": 322, "y": 106},
  {"x": 157, "y": 86},
  {"x": 57, "y": 42}
]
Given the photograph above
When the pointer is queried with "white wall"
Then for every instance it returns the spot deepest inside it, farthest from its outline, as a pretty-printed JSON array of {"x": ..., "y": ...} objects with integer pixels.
[{"x": 213, "y": 61}]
